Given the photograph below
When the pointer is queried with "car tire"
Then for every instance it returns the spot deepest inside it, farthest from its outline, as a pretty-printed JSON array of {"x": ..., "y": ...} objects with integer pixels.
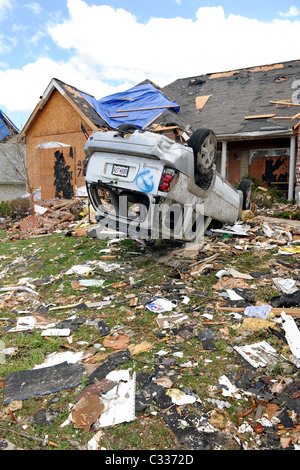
[
  {"x": 245, "y": 187},
  {"x": 204, "y": 145}
]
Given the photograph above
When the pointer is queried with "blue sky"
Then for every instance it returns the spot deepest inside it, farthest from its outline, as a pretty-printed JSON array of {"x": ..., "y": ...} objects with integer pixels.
[{"x": 106, "y": 47}]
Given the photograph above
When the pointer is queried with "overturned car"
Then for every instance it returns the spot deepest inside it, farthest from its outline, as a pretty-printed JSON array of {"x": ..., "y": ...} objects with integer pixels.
[{"x": 146, "y": 185}]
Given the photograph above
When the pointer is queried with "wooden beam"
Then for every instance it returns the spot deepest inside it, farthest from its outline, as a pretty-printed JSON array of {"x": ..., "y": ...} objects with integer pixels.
[
  {"x": 149, "y": 123},
  {"x": 284, "y": 103},
  {"x": 293, "y": 312},
  {"x": 119, "y": 115},
  {"x": 146, "y": 109}
]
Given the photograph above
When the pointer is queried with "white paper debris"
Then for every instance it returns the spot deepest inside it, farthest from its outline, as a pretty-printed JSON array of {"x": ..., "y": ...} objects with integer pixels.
[
  {"x": 119, "y": 403},
  {"x": 56, "y": 332},
  {"x": 180, "y": 398},
  {"x": 233, "y": 295},
  {"x": 91, "y": 282},
  {"x": 169, "y": 321},
  {"x": 66, "y": 356},
  {"x": 287, "y": 286},
  {"x": 229, "y": 390},
  {"x": 292, "y": 334},
  {"x": 79, "y": 269},
  {"x": 161, "y": 305}
]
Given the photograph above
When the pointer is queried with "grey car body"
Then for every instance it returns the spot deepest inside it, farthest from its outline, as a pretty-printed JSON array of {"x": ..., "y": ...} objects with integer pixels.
[{"x": 161, "y": 176}]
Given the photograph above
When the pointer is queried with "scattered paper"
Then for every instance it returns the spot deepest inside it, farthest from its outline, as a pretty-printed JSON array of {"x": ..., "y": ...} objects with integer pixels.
[
  {"x": 161, "y": 305},
  {"x": 180, "y": 398},
  {"x": 287, "y": 286},
  {"x": 260, "y": 311},
  {"x": 292, "y": 334},
  {"x": 229, "y": 390},
  {"x": 258, "y": 354},
  {"x": 170, "y": 320},
  {"x": 56, "y": 332},
  {"x": 61, "y": 357},
  {"x": 119, "y": 402},
  {"x": 79, "y": 269}
]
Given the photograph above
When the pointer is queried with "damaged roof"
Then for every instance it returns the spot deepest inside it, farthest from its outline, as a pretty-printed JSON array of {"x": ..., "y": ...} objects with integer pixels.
[
  {"x": 152, "y": 105},
  {"x": 241, "y": 102}
]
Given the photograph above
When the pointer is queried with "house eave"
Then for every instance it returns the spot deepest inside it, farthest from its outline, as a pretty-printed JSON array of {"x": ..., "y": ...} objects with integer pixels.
[{"x": 255, "y": 135}]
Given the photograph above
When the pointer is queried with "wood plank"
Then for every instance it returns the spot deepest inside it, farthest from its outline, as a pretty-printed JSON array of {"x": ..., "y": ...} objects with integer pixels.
[
  {"x": 284, "y": 103},
  {"x": 260, "y": 116},
  {"x": 293, "y": 312},
  {"x": 119, "y": 115},
  {"x": 154, "y": 119}
]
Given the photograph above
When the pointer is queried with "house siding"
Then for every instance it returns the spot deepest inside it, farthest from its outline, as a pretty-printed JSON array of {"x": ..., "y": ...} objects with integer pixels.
[{"x": 57, "y": 121}]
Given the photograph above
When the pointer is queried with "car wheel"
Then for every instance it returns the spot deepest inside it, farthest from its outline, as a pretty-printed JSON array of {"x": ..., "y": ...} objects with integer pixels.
[
  {"x": 204, "y": 145},
  {"x": 246, "y": 187}
]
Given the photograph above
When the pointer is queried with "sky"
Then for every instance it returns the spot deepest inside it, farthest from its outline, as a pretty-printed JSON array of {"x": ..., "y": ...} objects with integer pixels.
[{"x": 104, "y": 47}]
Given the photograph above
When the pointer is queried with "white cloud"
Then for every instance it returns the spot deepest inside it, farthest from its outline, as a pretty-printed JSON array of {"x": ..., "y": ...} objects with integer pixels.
[
  {"x": 35, "y": 77},
  {"x": 293, "y": 11},
  {"x": 111, "y": 50},
  {"x": 124, "y": 49}
]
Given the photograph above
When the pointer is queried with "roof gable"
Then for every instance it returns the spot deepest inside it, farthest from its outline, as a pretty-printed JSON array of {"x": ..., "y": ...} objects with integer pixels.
[{"x": 84, "y": 109}]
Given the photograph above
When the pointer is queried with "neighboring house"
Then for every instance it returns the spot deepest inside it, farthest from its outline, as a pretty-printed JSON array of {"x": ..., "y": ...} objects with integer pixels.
[
  {"x": 255, "y": 113},
  {"x": 12, "y": 161},
  {"x": 54, "y": 133}
]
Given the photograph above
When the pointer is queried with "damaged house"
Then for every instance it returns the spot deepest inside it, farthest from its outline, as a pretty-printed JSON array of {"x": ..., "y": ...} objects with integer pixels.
[
  {"x": 13, "y": 176},
  {"x": 55, "y": 134},
  {"x": 255, "y": 113}
]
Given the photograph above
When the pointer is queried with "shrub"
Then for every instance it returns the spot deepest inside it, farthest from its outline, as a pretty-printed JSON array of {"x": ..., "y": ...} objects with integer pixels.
[
  {"x": 4, "y": 209},
  {"x": 15, "y": 208}
]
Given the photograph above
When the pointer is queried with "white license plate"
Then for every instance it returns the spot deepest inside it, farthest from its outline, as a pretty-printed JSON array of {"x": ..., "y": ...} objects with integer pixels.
[{"x": 120, "y": 170}]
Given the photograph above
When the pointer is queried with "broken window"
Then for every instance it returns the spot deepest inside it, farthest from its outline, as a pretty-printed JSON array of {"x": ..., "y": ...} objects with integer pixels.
[{"x": 268, "y": 153}]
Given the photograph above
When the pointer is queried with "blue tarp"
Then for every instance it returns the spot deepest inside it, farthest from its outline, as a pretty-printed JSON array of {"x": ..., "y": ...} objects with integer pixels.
[
  {"x": 4, "y": 130},
  {"x": 117, "y": 109}
]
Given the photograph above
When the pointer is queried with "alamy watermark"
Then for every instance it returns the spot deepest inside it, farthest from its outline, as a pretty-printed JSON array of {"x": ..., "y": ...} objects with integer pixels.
[
  {"x": 156, "y": 221},
  {"x": 296, "y": 93}
]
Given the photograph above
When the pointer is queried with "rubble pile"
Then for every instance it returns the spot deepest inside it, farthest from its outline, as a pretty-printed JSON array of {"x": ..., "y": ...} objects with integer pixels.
[{"x": 212, "y": 349}]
